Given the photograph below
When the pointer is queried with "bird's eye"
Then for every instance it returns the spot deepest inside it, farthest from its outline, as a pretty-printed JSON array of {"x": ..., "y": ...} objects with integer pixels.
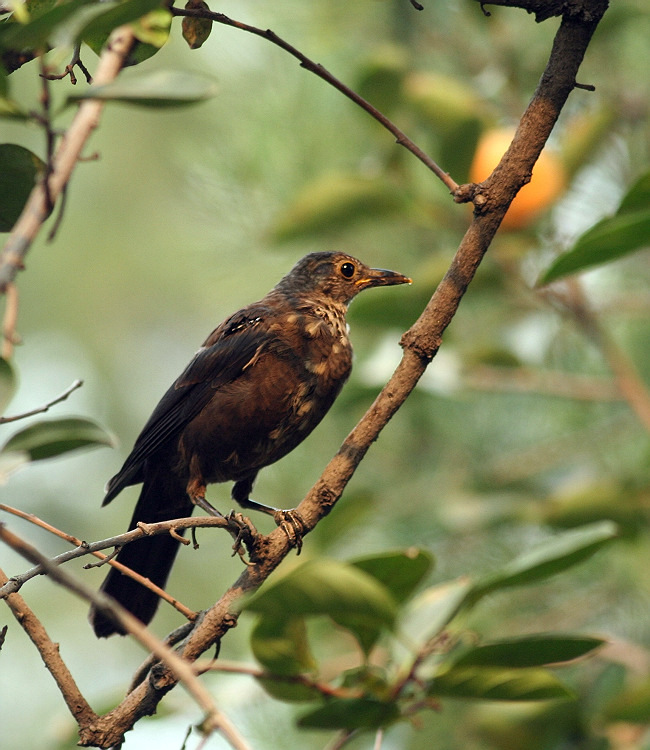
[{"x": 347, "y": 270}]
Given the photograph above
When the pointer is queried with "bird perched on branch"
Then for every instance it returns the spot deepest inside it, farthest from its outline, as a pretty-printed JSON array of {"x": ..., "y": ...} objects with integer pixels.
[{"x": 257, "y": 387}]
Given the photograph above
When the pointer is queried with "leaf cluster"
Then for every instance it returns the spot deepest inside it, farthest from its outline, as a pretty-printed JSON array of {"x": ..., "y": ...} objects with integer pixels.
[{"x": 415, "y": 651}]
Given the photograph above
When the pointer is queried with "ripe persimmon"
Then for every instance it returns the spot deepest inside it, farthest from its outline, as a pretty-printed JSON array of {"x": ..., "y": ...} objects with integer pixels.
[{"x": 546, "y": 184}]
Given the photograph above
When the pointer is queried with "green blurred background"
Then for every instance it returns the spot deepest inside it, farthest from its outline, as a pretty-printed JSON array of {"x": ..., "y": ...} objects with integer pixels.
[{"x": 188, "y": 214}]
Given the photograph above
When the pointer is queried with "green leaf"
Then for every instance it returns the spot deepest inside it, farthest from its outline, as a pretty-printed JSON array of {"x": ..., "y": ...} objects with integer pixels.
[
  {"x": 53, "y": 437},
  {"x": 287, "y": 689},
  {"x": 358, "y": 713},
  {"x": 432, "y": 610},
  {"x": 281, "y": 646},
  {"x": 608, "y": 240},
  {"x": 36, "y": 33},
  {"x": 157, "y": 89},
  {"x": 547, "y": 559},
  {"x": 117, "y": 14},
  {"x": 638, "y": 196},
  {"x": 334, "y": 202},
  {"x": 493, "y": 683},
  {"x": 19, "y": 170},
  {"x": 7, "y": 383},
  {"x": 529, "y": 651},
  {"x": 324, "y": 587},
  {"x": 628, "y": 230},
  {"x": 400, "y": 572}
]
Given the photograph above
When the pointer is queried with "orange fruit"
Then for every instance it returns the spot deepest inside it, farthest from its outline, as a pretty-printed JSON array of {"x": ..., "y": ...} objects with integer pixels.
[{"x": 546, "y": 184}]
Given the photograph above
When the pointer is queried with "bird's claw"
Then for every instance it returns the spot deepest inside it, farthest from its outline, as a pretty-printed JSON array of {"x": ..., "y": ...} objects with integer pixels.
[
  {"x": 242, "y": 531},
  {"x": 293, "y": 526}
]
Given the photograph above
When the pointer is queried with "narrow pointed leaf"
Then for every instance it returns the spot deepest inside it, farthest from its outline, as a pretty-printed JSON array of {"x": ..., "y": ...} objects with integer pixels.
[
  {"x": 613, "y": 237},
  {"x": 608, "y": 240},
  {"x": 51, "y": 438},
  {"x": 158, "y": 89},
  {"x": 529, "y": 651},
  {"x": 493, "y": 683},
  {"x": 547, "y": 559}
]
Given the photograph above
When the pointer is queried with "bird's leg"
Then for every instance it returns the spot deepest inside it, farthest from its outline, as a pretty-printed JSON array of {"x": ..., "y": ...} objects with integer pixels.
[
  {"x": 240, "y": 528},
  {"x": 196, "y": 493},
  {"x": 288, "y": 520}
]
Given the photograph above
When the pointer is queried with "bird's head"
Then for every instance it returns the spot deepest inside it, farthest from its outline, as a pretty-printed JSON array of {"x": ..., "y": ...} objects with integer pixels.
[{"x": 337, "y": 277}]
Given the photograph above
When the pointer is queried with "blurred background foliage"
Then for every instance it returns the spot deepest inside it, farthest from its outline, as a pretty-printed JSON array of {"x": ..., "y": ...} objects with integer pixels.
[{"x": 517, "y": 429}]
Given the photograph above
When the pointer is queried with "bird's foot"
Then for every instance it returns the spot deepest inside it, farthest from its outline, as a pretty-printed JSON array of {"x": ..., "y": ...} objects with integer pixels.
[
  {"x": 244, "y": 533},
  {"x": 293, "y": 526}
]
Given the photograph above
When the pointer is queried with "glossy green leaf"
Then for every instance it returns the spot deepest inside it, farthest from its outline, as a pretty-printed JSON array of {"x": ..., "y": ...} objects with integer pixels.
[
  {"x": 325, "y": 587},
  {"x": 608, "y": 240},
  {"x": 116, "y": 14},
  {"x": 547, "y": 559},
  {"x": 400, "y": 572},
  {"x": 157, "y": 89},
  {"x": 19, "y": 171},
  {"x": 36, "y": 33},
  {"x": 360, "y": 713},
  {"x": 53, "y": 437},
  {"x": 281, "y": 646},
  {"x": 335, "y": 201},
  {"x": 7, "y": 384},
  {"x": 495, "y": 684},
  {"x": 529, "y": 651},
  {"x": 612, "y": 238}
]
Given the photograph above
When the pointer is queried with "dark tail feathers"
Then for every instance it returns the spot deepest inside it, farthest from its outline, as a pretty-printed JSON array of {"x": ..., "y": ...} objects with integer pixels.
[{"x": 162, "y": 499}]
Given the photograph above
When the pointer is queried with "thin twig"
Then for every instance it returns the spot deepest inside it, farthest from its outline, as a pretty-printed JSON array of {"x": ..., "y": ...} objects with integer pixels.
[
  {"x": 214, "y": 719},
  {"x": 45, "y": 407},
  {"x": 39, "y": 205},
  {"x": 323, "y": 73},
  {"x": 231, "y": 667},
  {"x": 85, "y": 548}
]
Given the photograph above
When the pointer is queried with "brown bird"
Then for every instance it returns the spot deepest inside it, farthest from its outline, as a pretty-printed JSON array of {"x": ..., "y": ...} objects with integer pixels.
[{"x": 257, "y": 387}]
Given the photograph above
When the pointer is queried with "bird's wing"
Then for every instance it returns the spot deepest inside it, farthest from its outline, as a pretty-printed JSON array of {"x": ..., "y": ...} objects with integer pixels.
[{"x": 229, "y": 349}]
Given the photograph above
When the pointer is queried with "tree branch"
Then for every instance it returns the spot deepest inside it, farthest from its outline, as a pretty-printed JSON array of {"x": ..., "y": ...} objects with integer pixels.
[
  {"x": 183, "y": 671},
  {"x": 44, "y": 195}
]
